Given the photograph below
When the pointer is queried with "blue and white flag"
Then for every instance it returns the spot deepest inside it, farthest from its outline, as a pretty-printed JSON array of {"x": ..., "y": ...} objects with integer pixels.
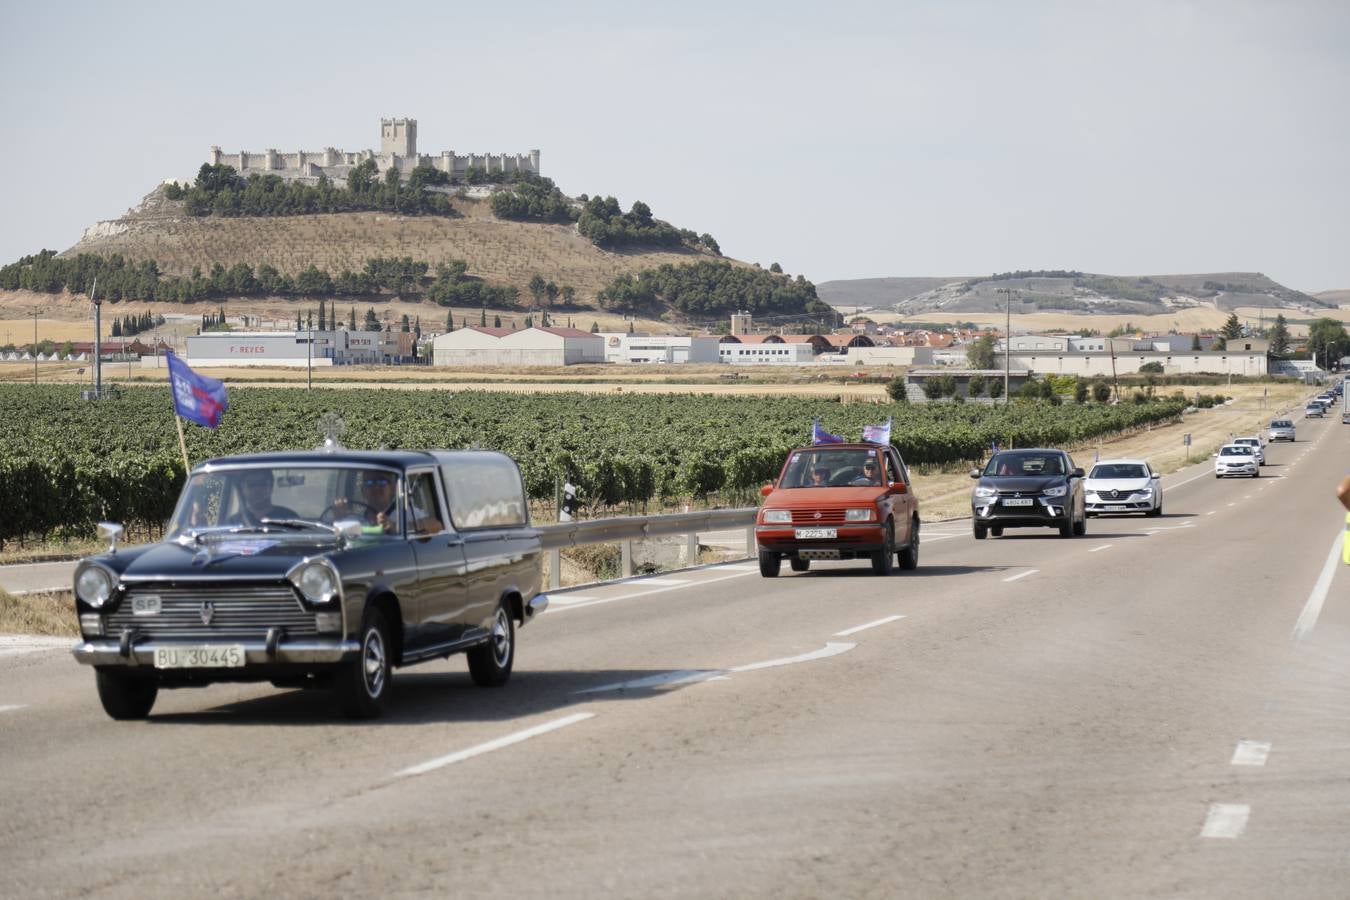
[
  {"x": 195, "y": 397},
  {"x": 821, "y": 436},
  {"x": 993, "y": 445},
  {"x": 878, "y": 434}
]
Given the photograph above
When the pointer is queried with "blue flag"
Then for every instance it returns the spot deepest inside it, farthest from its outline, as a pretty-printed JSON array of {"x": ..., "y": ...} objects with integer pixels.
[
  {"x": 821, "y": 436},
  {"x": 878, "y": 434},
  {"x": 195, "y": 397},
  {"x": 993, "y": 445}
]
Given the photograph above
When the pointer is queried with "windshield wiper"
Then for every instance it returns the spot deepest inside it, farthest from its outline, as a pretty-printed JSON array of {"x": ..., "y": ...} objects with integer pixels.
[{"x": 299, "y": 524}]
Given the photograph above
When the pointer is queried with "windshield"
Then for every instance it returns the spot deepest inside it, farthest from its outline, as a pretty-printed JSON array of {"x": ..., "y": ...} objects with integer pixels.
[
  {"x": 820, "y": 467},
  {"x": 1238, "y": 450},
  {"x": 1019, "y": 463},
  {"x": 300, "y": 498},
  {"x": 1118, "y": 470}
]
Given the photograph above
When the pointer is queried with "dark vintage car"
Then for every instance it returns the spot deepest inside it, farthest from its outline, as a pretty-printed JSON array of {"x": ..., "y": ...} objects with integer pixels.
[
  {"x": 322, "y": 568},
  {"x": 839, "y": 501},
  {"x": 1033, "y": 488}
]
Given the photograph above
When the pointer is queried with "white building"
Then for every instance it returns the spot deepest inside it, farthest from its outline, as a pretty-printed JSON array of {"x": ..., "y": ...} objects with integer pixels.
[
  {"x": 480, "y": 346},
  {"x": 767, "y": 354},
  {"x": 888, "y": 356},
  {"x": 290, "y": 348},
  {"x": 660, "y": 348}
]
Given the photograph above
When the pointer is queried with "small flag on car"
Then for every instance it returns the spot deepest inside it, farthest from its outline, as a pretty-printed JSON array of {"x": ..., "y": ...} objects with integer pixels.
[
  {"x": 878, "y": 434},
  {"x": 821, "y": 436},
  {"x": 195, "y": 397}
]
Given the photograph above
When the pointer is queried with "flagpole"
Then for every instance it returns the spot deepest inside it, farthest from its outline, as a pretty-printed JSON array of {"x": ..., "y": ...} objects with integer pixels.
[{"x": 182, "y": 443}]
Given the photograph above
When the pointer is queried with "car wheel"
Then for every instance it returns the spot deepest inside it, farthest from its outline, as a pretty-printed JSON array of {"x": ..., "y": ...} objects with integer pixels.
[
  {"x": 996, "y": 531},
  {"x": 799, "y": 565},
  {"x": 1155, "y": 511},
  {"x": 980, "y": 532},
  {"x": 362, "y": 685},
  {"x": 883, "y": 559},
  {"x": 1080, "y": 527},
  {"x": 909, "y": 557},
  {"x": 123, "y": 697},
  {"x": 490, "y": 664},
  {"x": 769, "y": 564},
  {"x": 1066, "y": 529}
]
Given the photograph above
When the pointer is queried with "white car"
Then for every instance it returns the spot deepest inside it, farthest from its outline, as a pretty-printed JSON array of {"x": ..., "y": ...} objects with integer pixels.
[
  {"x": 1123, "y": 486},
  {"x": 1255, "y": 444},
  {"x": 1236, "y": 459}
]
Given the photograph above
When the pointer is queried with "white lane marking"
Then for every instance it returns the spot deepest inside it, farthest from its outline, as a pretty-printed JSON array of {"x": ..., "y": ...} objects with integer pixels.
[
  {"x": 16, "y": 644},
  {"x": 499, "y": 743},
  {"x": 1246, "y": 496},
  {"x": 663, "y": 582},
  {"x": 740, "y": 568},
  {"x": 660, "y": 590},
  {"x": 11, "y": 707},
  {"x": 1099, "y": 549},
  {"x": 1313, "y": 608},
  {"x": 1157, "y": 528},
  {"x": 1211, "y": 512},
  {"x": 830, "y": 649},
  {"x": 1226, "y": 820},
  {"x": 1023, "y": 575},
  {"x": 857, "y": 628},
  {"x": 1232, "y": 504},
  {"x": 1251, "y": 753},
  {"x": 693, "y": 676},
  {"x": 1205, "y": 474}
]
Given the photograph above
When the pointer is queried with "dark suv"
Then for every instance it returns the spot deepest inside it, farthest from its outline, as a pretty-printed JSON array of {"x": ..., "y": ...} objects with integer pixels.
[{"x": 1035, "y": 488}]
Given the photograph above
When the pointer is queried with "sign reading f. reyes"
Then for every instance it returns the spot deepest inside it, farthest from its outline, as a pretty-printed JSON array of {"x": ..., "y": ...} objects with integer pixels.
[{"x": 195, "y": 397}]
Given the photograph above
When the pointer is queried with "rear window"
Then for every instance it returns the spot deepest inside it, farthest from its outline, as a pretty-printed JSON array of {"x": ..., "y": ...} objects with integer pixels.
[{"x": 485, "y": 491}]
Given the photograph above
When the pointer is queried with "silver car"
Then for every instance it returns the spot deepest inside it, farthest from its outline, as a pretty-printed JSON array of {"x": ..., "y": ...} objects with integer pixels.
[
  {"x": 1255, "y": 444},
  {"x": 1123, "y": 486},
  {"x": 1281, "y": 430}
]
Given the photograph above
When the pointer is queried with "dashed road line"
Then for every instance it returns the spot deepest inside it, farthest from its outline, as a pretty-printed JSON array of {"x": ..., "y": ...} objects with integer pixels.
[
  {"x": 1022, "y": 575},
  {"x": 660, "y": 590},
  {"x": 499, "y": 743},
  {"x": 1251, "y": 753},
  {"x": 11, "y": 707},
  {"x": 1101, "y": 548},
  {"x": 1226, "y": 820},
  {"x": 694, "y": 676},
  {"x": 886, "y": 621}
]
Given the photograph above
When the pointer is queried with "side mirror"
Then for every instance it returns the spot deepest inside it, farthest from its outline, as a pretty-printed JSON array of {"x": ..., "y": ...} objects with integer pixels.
[
  {"x": 899, "y": 487},
  {"x": 974, "y": 473},
  {"x": 1077, "y": 473},
  {"x": 110, "y": 532},
  {"x": 1155, "y": 476},
  {"x": 766, "y": 490}
]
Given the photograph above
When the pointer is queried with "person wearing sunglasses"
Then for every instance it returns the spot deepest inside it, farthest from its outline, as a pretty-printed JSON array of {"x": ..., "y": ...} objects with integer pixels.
[
  {"x": 378, "y": 507},
  {"x": 256, "y": 494},
  {"x": 870, "y": 473}
]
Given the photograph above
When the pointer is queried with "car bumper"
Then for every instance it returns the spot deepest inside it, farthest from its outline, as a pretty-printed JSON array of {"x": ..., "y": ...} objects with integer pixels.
[
  {"x": 1248, "y": 469},
  {"x": 1119, "y": 506},
  {"x": 848, "y": 539},
  {"x": 119, "y": 652}
]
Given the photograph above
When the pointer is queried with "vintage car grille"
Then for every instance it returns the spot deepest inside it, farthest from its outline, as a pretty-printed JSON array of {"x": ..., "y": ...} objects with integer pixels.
[
  {"x": 817, "y": 516},
  {"x": 237, "y": 612}
]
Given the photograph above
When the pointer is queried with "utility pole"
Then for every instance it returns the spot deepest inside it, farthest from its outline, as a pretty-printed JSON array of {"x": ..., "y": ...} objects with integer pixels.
[
  {"x": 35, "y": 318},
  {"x": 98, "y": 340},
  {"x": 1007, "y": 341},
  {"x": 309, "y": 356}
]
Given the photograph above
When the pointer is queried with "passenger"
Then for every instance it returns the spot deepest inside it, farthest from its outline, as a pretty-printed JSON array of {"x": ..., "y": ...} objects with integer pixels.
[
  {"x": 820, "y": 477},
  {"x": 256, "y": 492},
  {"x": 1343, "y": 492},
  {"x": 869, "y": 474}
]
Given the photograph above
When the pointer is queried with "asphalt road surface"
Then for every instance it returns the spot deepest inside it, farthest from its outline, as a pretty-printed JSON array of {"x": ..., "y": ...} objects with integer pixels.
[{"x": 1158, "y": 709}]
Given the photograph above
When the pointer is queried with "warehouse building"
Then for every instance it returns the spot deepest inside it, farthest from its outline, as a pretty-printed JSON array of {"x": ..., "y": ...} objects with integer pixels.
[
  {"x": 293, "y": 348},
  {"x": 659, "y": 348},
  {"x": 481, "y": 346}
]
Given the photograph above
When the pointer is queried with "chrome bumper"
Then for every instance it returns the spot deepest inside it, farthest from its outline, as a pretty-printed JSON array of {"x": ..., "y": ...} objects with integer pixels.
[
  {"x": 108, "y": 651},
  {"x": 537, "y": 604}
]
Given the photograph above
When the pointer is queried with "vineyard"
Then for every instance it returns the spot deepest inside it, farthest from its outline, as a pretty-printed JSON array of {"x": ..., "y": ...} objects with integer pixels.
[{"x": 66, "y": 464}]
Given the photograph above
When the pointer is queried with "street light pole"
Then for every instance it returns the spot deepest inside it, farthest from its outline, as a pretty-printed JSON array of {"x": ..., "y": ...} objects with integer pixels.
[{"x": 35, "y": 350}]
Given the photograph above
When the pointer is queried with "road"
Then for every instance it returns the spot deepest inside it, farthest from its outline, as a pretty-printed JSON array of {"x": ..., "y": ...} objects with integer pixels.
[{"x": 1158, "y": 709}]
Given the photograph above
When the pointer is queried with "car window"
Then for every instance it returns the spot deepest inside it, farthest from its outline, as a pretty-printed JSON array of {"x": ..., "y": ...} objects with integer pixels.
[
  {"x": 485, "y": 491},
  {"x": 424, "y": 507}
]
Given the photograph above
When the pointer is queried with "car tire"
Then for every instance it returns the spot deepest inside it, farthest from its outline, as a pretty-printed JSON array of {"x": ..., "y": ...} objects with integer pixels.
[
  {"x": 125, "y": 698},
  {"x": 1155, "y": 512},
  {"x": 362, "y": 685},
  {"x": 490, "y": 664},
  {"x": 769, "y": 564},
  {"x": 908, "y": 558},
  {"x": 1067, "y": 529},
  {"x": 996, "y": 530},
  {"x": 1080, "y": 527},
  {"x": 883, "y": 560},
  {"x": 980, "y": 532},
  {"x": 799, "y": 565}
]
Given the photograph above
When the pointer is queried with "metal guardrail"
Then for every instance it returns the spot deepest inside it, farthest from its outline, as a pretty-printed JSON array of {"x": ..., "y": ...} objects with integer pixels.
[{"x": 627, "y": 529}]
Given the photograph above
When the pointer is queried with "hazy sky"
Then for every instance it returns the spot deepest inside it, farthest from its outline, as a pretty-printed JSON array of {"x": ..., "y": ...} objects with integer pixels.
[{"x": 843, "y": 140}]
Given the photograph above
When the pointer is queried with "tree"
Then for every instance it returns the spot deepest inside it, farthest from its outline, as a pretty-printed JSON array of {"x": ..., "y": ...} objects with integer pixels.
[
  {"x": 1328, "y": 341},
  {"x": 1195, "y": 342},
  {"x": 537, "y": 286},
  {"x": 980, "y": 354},
  {"x": 482, "y": 319},
  {"x": 776, "y": 268},
  {"x": 1279, "y": 336},
  {"x": 406, "y": 324},
  {"x": 351, "y": 323},
  {"x": 897, "y": 390},
  {"x": 371, "y": 321},
  {"x": 569, "y": 293},
  {"x": 996, "y": 388},
  {"x": 496, "y": 321},
  {"x": 595, "y": 328},
  {"x": 1152, "y": 368},
  {"x": 1101, "y": 391},
  {"x": 976, "y": 385},
  {"x": 1080, "y": 391},
  {"x": 323, "y": 316},
  {"x": 1232, "y": 328}
]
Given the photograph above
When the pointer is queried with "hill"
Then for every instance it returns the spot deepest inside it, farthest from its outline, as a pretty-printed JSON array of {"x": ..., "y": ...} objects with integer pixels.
[{"x": 876, "y": 293}]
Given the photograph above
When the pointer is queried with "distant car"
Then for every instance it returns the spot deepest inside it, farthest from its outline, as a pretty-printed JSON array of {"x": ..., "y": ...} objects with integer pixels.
[
  {"x": 1255, "y": 444},
  {"x": 1236, "y": 459},
  {"x": 1314, "y": 411},
  {"x": 1123, "y": 486},
  {"x": 839, "y": 501},
  {"x": 1281, "y": 430},
  {"x": 1033, "y": 488}
]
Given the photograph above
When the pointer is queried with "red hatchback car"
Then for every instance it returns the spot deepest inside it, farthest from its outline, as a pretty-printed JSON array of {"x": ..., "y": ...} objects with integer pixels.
[{"x": 839, "y": 501}]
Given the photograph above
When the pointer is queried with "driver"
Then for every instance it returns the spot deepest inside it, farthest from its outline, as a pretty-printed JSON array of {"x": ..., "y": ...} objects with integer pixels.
[
  {"x": 256, "y": 492},
  {"x": 378, "y": 506},
  {"x": 869, "y": 473}
]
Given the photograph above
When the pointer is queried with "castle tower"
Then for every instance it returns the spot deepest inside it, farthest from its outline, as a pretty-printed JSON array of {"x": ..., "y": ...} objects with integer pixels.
[{"x": 398, "y": 137}]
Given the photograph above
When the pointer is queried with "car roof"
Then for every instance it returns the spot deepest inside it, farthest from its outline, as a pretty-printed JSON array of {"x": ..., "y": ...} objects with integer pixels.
[
  {"x": 1226, "y": 446},
  {"x": 1120, "y": 462},
  {"x": 396, "y": 459}
]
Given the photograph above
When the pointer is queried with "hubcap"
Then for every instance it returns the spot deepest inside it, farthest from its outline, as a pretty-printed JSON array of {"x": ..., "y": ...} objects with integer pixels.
[
  {"x": 501, "y": 639},
  {"x": 373, "y": 663}
]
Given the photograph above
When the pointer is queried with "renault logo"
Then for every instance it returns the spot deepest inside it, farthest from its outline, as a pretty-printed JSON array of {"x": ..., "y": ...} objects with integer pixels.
[{"x": 208, "y": 612}]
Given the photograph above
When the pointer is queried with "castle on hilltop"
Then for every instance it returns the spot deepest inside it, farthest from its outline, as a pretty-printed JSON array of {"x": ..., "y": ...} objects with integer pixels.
[{"x": 398, "y": 149}]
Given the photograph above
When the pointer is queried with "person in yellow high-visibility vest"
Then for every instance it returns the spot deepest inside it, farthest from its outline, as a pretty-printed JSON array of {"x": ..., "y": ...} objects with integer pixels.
[{"x": 1343, "y": 494}]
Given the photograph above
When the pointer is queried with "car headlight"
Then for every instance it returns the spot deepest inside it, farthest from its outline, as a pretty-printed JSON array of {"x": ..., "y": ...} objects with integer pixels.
[
  {"x": 1056, "y": 491},
  {"x": 316, "y": 580},
  {"x": 777, "y": 516},
  {"x": 858, "y": 515},
  {"x": 1145, "y": 493},
  {"x": 94, "y": 586},
  {"x": 985, "y": 493}
]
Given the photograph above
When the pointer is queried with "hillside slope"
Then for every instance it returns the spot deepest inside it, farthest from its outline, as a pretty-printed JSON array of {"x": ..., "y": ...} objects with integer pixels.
[{"x": 499, "y": 252}]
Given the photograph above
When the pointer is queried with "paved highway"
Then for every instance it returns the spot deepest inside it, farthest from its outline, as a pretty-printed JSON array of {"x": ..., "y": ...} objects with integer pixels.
[{"x": 1158, "y": 709}]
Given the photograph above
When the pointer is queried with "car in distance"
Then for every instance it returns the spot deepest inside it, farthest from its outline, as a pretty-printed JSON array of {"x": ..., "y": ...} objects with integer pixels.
[
  {"x": 1255, "y": 444},
  {"x": 839, "y": 501},
  {"x": 1281, "y": 430},
  {"x": 1034, "y": 488},
  {"x": 324, "y": 568},
  {"x": 1236, "y": 459},
  {"x": 1314, "y": 410},
  {"x": 1123, "y": 486}
]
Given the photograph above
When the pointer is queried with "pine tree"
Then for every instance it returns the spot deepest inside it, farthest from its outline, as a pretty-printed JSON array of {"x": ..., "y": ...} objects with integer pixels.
[
  {"x": 595, "y": 328},
  {"x": 449, "y": 321},
  {"x": 496, "y": 321},
  {"x": 405, "y": 325},
  {"x": 299, "y": 322},
  {"x": 323, "y": 317},
  {"x": 351, "y": 324},
  {"x": 1279, "y": 336},
  {"x": 482, "y": 320}
]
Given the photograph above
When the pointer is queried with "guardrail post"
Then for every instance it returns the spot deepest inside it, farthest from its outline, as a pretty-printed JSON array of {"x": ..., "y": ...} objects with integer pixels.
[
  {"x": 627, "y": 558},
  {"x": 691, "y": 549},
  {"x": 750, "y": 541},
  {"x": 555, "y": 568}
]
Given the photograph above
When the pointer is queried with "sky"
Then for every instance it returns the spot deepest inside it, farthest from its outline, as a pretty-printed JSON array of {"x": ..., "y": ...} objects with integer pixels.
[{"x": 841, "y": 140}]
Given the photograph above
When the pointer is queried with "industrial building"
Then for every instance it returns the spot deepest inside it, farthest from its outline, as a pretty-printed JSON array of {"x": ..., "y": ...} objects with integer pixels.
[
  {"x": 659, "y": 348},
  {"x": 294, "y": 348},
  {"x": 481, "y": 346}
]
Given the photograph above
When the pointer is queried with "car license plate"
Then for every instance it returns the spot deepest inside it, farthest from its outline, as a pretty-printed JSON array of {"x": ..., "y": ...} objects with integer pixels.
[
  {"x": 1017, "y": 501},
  {"x": 816, "y": 533},
  {"x": 214, "y": 656},
  {"x": 1115, "y": 509},
  {"x": 145, "y": 605}
]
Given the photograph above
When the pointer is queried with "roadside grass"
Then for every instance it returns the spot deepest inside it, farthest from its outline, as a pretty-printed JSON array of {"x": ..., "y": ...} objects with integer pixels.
[
  {"x": 46, "y": 614},
  {"x": 49, "y": 551}
]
